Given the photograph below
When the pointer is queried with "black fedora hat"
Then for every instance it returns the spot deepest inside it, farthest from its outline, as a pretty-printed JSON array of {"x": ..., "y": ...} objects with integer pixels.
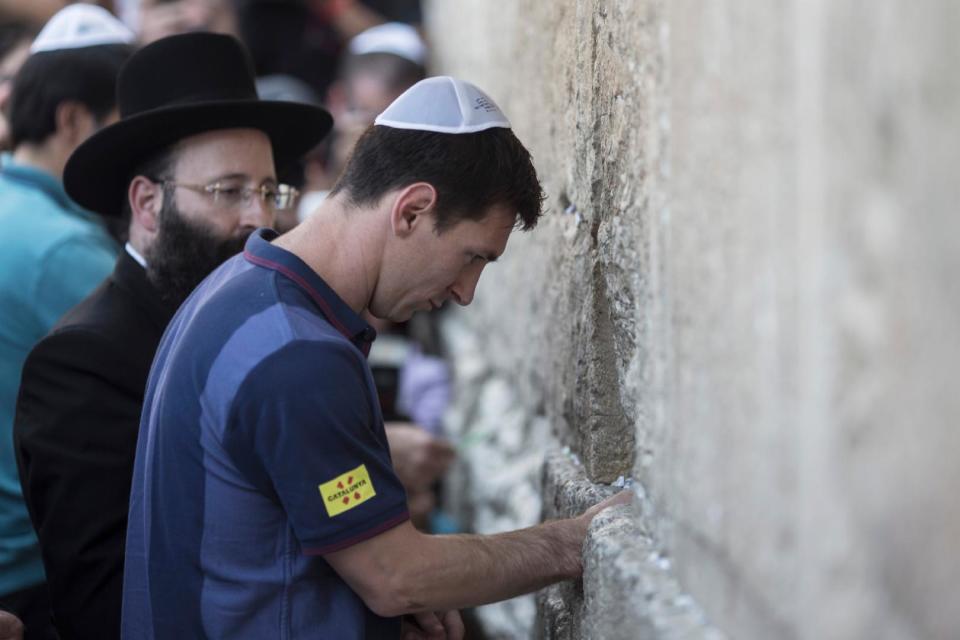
[{"x": 175, "y": 88}]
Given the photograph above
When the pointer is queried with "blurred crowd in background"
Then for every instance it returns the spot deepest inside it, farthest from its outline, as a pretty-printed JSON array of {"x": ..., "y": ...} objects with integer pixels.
[{"x": 352, "y": 56}]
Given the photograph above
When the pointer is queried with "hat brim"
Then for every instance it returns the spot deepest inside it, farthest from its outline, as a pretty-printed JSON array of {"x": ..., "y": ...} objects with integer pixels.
[{"x": 98, "y": 172}]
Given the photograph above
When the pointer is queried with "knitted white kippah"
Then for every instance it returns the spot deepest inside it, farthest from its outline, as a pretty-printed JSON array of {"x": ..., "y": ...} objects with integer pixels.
[
  {"x": 81, "y": 25},
  {"x": 395, "y": 38},
  {"x": 444, "y": 105}
]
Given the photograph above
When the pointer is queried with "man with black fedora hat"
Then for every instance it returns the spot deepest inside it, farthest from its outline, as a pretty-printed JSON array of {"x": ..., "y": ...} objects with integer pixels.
[{"x": 192, "y": 162}]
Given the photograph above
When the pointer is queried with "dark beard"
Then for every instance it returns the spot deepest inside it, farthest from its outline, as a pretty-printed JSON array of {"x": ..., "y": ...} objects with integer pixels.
[{"x": 184, "y": 253}]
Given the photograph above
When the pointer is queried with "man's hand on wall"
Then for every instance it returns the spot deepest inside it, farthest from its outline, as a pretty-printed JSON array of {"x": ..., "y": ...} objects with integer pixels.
[
  {"x": 418, "y": 457},
  {"x": 620, "y": 498}
]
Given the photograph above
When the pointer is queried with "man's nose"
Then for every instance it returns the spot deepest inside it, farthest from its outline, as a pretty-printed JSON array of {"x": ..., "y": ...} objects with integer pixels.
[
  {"x": 256, "y": 213},
  {"x": 464, "y": 287}
]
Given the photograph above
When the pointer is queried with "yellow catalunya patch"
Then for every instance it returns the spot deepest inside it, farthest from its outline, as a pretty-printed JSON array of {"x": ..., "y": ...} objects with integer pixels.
[{"x": 347, "y": 491}]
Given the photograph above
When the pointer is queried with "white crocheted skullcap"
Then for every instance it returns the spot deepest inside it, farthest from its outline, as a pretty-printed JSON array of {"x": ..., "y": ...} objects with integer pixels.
[
  {"x": 444, "y": 105},
  {"x": 81, "y": 25},
  {"x": 395, "y": 38}
]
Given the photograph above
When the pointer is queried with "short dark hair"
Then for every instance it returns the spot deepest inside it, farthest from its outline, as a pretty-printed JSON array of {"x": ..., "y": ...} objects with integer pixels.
[
  {"x": 470, "y": 171},
  {"x": 87, "y": 75}
]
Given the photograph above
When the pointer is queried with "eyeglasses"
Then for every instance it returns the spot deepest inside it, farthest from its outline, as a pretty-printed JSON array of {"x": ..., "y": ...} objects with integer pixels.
[{"x": 279, "y": 197}]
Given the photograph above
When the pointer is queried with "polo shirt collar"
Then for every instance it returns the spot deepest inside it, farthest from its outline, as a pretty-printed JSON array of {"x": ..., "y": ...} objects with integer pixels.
[
  {"x": 41, "y": 180},
  {"x": 260, "y": 252}
]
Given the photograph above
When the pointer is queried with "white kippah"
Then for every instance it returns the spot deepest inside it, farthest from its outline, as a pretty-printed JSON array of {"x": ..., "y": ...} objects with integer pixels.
[
  {"x": 395, "y": 38},
  {"x": 444, "y": 105},
  {"x": 81, "y": 25}
]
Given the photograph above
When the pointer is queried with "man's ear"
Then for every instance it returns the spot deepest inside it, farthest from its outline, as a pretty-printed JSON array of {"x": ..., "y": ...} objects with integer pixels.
[
  {"x": 74, "y": 122},
  {"x": 146, "y": 200},
  {"x": 414, "y": 205}
]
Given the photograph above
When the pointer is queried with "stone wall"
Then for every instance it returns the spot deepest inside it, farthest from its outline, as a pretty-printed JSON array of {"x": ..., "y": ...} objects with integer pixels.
[{"x": 743, "y": 296}]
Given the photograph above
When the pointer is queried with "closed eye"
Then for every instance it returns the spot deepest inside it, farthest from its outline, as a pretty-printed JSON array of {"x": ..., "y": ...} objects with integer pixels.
[{"x": 229, "y": 191}]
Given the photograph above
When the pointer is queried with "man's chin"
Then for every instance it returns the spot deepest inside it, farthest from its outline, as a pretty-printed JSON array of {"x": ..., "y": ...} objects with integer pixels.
[
  {"x": 404, "y": 314},
  {"x": 401, "y": 316}
]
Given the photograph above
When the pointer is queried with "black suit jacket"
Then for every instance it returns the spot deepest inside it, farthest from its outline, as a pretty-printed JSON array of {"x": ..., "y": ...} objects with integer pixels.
[{"x": 75, "y": 435}]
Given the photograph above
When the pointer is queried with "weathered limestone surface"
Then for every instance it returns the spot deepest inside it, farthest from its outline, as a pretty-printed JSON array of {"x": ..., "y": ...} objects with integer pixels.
[
  {"x": 628, "y": 589},
  {"x": 743, "y": 294}
]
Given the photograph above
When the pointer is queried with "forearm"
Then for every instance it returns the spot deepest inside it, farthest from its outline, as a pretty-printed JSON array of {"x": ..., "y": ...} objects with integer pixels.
[
  {"x": 405, "y": 571},
  {"x": 468, "y": 570}
]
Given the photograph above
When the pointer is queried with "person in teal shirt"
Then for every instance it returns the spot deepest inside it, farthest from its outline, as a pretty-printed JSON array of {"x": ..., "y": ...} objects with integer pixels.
[{"x": 52, "y": 252}]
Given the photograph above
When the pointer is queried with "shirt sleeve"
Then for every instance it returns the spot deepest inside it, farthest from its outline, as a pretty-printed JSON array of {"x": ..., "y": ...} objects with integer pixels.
[
  {"x": 70, "y": 271},
  {"x": 75, "y": 434},
  {"x": 305, "y": 429}
]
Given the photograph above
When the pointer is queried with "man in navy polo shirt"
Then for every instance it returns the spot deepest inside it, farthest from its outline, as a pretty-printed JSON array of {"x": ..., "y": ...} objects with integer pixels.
[{"x": 264, "y": 502}]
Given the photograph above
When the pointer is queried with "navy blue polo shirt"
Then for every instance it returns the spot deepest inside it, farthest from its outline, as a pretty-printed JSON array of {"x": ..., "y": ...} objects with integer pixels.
[{"x": 261, "y": 448}]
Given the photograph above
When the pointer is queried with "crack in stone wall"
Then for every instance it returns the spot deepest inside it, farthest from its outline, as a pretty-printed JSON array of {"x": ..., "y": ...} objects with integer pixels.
[{"x": 605, "y": 430}]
